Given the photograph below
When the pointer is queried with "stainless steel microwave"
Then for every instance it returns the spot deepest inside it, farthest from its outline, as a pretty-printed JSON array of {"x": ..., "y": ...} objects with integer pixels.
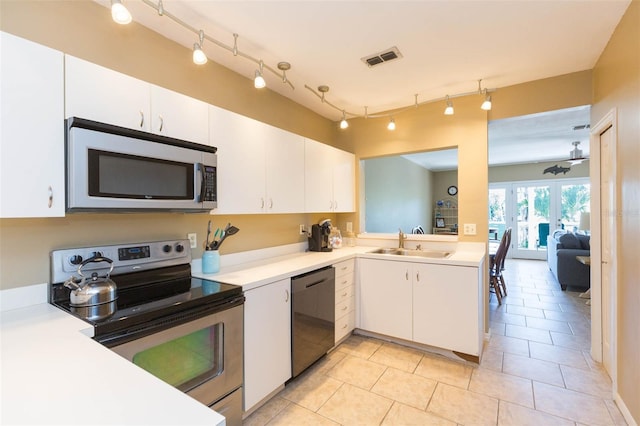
[{"x": 111, "y": 168}]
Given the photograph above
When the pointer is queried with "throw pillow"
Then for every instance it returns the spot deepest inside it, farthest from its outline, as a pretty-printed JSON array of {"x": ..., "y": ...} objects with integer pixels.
[
  {"x": 584, "y": 242},
  {"x": 558, "y": 233},
  {"x": 570, "y": 241}
]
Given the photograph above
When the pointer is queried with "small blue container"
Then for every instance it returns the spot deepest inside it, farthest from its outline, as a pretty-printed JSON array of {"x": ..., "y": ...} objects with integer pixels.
[{"x": 210, "y": 262}]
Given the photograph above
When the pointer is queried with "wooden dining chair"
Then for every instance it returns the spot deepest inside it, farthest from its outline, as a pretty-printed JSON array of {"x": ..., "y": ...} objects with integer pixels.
[
  {"x": 495, "y": 271},
  {"x": 503, "y": 284}
]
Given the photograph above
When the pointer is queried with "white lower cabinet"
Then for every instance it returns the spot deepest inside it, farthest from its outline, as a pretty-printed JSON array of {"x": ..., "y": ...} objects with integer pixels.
[
  {"x": 31, "y": 129},
  {"x": 436, "y": 305},
  {"x": 446, "y": 308},
  {"x": 345, "y": 299},
  {"x": 386, "y": 298},
  {"x": 267, "y": 340}
]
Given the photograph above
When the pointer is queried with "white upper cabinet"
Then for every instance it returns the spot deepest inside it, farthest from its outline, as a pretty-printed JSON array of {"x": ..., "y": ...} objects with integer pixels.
[
  {"x": 100, "y": 94},
  {"x": 329, "y": 179},
  {"x": 31, "y": 129},
  {"x": 178, "y": 116},
  {"x": 260, "y": 167}
]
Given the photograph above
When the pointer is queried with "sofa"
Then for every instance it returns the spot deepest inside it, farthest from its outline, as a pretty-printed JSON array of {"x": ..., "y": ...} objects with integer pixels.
[{"x": 562, "y": 249}]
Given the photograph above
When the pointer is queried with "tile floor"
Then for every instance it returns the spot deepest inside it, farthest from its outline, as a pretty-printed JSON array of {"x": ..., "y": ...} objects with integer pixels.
[{"x": 536, "y": 370}]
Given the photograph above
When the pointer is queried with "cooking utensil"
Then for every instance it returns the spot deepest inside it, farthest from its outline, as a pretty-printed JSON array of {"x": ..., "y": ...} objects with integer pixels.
[
  {"x": 206, "y": 246},
  {"x": 230, "y": 230},
  {"x": 93, "y": 297}
]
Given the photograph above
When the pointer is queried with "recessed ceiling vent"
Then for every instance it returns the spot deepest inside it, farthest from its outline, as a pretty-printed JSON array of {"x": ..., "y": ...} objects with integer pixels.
[
  {"x": 385, "y": 56},
  {"x": 582, "y": 127}
]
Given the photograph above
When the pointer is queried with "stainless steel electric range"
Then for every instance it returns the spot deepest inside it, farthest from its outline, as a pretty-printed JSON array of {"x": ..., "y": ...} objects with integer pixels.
[{"x": 185, "y": 330}]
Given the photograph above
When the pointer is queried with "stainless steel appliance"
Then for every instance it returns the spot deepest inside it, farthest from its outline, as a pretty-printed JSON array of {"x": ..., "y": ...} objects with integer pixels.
[
  {"x": 186, "y": 331},
  {"x": 319, "y": 238},
  {"x": 312, "y": 317},
  {"x": 111, "y": 168}
]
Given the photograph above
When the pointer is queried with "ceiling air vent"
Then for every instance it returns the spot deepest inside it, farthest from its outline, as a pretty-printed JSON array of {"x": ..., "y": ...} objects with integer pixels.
[
  {"x": 582, "y": 127},
  {"x": 385, "y": 56}
]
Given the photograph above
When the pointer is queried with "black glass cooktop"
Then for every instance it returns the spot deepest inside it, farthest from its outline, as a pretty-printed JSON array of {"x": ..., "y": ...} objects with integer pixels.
[{"x": 152, "y": 300}]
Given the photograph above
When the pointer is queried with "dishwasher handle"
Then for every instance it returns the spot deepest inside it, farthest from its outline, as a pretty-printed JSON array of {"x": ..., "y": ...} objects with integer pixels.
[{"x": 312, "y": 279}]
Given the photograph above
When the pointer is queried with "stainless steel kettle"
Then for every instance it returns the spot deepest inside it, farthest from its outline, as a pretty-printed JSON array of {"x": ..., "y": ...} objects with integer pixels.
[{"x": 90, "y": 293}]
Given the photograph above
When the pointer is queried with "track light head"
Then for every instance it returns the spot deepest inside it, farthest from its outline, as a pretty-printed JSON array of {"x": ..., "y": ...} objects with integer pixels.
[
  {"x": 258, "y": 81},
  {"x": 449, "y": 109},
  {"x": 199, "y": 57},
  {"x": 344, "y": 123},
  {"x": 486, "y": 105},
  {"x": 392, "y": 124},
  {"x": 119, "y": 12}
]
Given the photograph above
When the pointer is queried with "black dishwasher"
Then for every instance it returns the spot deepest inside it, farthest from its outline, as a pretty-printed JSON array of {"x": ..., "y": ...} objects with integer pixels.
[{"x": 312, "y": 317}]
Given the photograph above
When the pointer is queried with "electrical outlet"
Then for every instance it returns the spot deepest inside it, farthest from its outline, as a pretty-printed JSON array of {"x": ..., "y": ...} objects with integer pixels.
[
  {"x": 349, "y": 226},
  {"x": 193, "y": 239},
  {"x": 469, "y": 229},
  {"x": 303, "y": 231}
]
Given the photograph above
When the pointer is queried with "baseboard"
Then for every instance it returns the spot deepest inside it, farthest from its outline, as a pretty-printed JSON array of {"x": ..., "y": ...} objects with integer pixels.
[{"x": 624, "y": 410}]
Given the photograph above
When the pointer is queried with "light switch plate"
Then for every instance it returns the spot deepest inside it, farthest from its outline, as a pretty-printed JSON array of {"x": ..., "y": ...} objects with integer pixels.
[{"x": 469, "y": 229}]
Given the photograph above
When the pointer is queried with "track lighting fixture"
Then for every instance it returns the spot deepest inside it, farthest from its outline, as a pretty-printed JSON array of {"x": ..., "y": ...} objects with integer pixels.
[
  {"x": 121, "y": 15},
  {"x": 344, "y": 123},
  {"x": 392, "y": 124},
  {"x": 259, "y": 82},
  {"x": 119, "y": 12},
  {"x": 199, "y": 57},
  {"x": 449, "y": 109}
]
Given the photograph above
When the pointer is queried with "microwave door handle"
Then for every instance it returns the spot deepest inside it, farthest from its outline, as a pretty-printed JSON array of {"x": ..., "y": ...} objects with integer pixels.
[{"x": 200, "y": 170}]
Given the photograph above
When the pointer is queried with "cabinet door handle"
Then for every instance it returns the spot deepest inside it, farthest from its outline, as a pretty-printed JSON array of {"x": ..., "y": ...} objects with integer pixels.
[
  {"x": 141, "y": 118},
  {"x": 344, "y": 326},
  {"x": 262, "y": 203},
  {"x": 161, "y": 123},
  {"x": 50, "y": 203},
  {"x": 417, "y": 276},
  {"x": 270, "y": 203},
  {"x": 335, "y": 205},
  {"x": 345, "y": 308},
  {"x": 286, "y": 295},
  {"x": 406, "y": 276},
  {"x": 344, "y": 294}
]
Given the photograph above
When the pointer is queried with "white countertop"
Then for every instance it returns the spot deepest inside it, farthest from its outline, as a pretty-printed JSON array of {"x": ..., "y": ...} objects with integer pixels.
[
  {"x": 260, "y": 272},
  {"x": 52, "y": 372}
]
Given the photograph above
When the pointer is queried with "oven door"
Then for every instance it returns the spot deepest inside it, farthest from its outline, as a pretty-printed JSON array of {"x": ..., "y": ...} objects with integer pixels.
[{"x": 203, "y": 358}]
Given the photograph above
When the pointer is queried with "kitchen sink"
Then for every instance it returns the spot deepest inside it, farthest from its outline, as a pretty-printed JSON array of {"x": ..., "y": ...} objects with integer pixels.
[{"x": 408, "y": 252}]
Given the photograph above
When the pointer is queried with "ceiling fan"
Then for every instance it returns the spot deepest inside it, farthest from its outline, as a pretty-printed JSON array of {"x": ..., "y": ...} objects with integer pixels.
[{"x": 575, "y": 155}]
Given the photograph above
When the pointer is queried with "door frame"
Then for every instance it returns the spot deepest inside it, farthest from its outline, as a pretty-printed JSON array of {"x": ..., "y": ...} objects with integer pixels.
[{"x": 607, "y": 122}]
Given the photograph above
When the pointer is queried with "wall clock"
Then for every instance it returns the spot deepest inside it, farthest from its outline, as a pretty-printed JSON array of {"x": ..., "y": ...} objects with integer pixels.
[{"x": 452, "y": 190}]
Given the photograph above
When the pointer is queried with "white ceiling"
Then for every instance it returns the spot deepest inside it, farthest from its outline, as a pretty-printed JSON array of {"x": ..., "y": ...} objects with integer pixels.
[{"x": 446, "y": 46}]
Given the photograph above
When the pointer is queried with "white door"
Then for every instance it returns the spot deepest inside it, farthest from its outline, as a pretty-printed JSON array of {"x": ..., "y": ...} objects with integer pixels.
[
  {"x": 534, "y": 210},
  {"x": 607, "y": 226}
]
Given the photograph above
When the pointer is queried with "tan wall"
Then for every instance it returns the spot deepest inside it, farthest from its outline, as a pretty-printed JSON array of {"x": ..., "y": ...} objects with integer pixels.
[{"x": 616, "y": 84}]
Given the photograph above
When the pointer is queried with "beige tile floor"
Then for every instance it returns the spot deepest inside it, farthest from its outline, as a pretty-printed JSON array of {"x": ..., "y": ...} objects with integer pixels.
[{"x": 536, "y": 370}]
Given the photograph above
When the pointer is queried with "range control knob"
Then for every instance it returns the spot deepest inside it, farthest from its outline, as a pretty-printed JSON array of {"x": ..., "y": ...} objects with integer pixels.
[
  {"x": 76, "y": 259},
  {"x": 179, "y": 248},
  {"x": 166, "y": 248},
  {"x": 96, "y": 254}
]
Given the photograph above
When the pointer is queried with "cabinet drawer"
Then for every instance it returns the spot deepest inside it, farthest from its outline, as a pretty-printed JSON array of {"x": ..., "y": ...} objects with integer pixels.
[
  {"x": 344, "y": 268},
  {"x": 344, "y": 294},
  {"x": 345, "y": 307},
  {"x": 344, "y": 326},
  {"x": 344, "y": 281}
]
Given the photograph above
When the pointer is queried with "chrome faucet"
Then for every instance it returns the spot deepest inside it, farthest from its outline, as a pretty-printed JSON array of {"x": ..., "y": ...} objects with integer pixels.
[{"x": 401, "y": 238}]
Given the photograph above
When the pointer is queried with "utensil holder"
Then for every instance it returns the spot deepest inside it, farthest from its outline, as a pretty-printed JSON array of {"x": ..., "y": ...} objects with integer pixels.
[{"x": 210, "y": 262}]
